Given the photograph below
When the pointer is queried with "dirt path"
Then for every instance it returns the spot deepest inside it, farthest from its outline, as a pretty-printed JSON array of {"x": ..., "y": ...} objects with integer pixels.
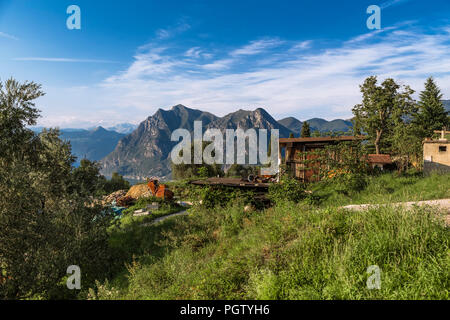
[{"x": 443, "y": 204}]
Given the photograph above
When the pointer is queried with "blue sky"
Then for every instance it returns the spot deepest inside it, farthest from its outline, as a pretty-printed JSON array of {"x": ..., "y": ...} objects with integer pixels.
[{"x": 302, "y": 58}]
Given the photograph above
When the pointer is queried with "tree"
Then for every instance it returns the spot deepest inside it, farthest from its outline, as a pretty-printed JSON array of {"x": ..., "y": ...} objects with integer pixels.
[
  {"x": 306, "y": 130},
  {"x": 47, "y": 222},
  {"x": 383, "y": 107},
  {"x": 116, "y": 183},
  {"x": 184, "y": 171},
  {"x": 291, "y": 135},
  {"x": 17, "y": 110},
  {"x": 431, "y": 115}
]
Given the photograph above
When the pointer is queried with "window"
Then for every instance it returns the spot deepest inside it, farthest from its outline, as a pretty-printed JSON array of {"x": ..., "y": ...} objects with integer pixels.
[{"x": 442, "y": 148}]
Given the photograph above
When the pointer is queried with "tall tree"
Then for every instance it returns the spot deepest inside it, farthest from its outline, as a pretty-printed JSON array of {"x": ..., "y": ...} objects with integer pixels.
[
  {"x": 383, "y": 107},
  {"x": 46, "y": 222},
  {"x": 306, "y": 130},
  {"x": 431, "y": 115}
]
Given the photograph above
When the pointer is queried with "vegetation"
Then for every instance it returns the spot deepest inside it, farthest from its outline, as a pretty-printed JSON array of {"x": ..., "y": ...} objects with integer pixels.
[
  {"x": 431, "y": 115},
  {"x": 383, "y": 108},
  {"x": 232, "y": 245},
  {"x": 192, "y": 170},
  {"x": 306, "y": 130},
  {"x": 45, "y": 224},
  {"x": 290, "y": 251}
]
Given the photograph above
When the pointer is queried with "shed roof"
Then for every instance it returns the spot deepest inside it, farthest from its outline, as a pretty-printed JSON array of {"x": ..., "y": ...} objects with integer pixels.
[
  {"x": 380, "y": 158},
  {"x": 320, "y": 139}
]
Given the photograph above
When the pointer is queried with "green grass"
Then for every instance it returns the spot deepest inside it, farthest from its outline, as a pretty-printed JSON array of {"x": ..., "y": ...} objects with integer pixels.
[
  {"x": 387, "y": 188},
  {"x": 291, "y": 251}
]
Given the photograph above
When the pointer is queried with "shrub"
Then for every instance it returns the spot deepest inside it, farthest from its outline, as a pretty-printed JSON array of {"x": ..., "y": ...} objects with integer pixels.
[{"x": 288, "y": 189}]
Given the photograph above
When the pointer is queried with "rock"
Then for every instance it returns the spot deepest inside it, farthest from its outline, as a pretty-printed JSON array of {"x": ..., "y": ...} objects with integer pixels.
[
  {"x": 141, "y": 214},
  {"x": 249, "y": 208},
  {"x": 153, "y": 206},
  {"x": 139, "y": 191}
]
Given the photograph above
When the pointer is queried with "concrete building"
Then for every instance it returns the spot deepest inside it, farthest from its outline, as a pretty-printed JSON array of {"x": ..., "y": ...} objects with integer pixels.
[{"x": 436, "y": 154}]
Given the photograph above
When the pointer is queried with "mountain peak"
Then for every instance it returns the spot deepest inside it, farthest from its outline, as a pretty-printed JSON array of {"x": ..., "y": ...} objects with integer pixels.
[
  {"x": 99, "y": 129},
  {"x": 179, "y": 107}
]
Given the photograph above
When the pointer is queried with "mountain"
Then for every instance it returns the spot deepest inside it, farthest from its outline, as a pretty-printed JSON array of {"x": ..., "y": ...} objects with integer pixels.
[
  {"x": 292, "y": 124},
  {"x": 124, "y": 128},
  {"x": 92, "y": 144},
  {"x": 145, "y": 152},
  {"x": 446, "y": 105},
  {"x": 316, "y": 124},
  {"x": 258, "y": 119}
]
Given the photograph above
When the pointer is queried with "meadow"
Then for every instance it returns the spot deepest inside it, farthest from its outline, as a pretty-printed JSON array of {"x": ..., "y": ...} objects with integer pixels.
[{"x": 305, "y": 250}]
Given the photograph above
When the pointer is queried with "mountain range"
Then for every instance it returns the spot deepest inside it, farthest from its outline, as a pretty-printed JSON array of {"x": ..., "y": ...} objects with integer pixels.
[
  {"x": 93, "y": 144},
  {"x": 145, "y": 152},
  {"x": 142, "y": 151}
]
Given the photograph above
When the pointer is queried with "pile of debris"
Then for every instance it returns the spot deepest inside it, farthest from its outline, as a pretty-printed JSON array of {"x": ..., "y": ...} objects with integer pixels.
[{"x": 113, "y": 197}]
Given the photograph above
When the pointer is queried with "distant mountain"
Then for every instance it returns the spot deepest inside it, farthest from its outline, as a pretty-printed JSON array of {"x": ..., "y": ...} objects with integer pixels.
[
  {"x": 94, "y": 144},
  {"x": 146, "y": 151},
  {"x": 316, "y": 124},
  {"x": 292, "y": 124},
  {"x": 446, "y": 105},
  {"x": 125, "y": 128}
]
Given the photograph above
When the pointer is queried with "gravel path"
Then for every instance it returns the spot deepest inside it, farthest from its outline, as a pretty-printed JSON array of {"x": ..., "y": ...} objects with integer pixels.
[{"x": 443, "y": 204}]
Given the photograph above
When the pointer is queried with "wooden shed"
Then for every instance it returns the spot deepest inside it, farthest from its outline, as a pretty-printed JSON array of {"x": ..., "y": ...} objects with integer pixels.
[{"x": 297, "y": 150}]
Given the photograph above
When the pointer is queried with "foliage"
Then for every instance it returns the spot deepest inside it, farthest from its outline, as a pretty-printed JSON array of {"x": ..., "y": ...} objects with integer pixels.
[
  {"x": 431, "y": 115},
  {"x": 385, "y": 188},
  {"x": 117, "y": 182},
  {"x": 186, "y": 171},
  {"x": 238, "y": 170},
  {"x": 288, "y": 189},
  {"x": 383, "y": 108},
  {"x": 47, "y": 221},
  {"x": 220, "y": 196},
  {"x": 306, "y": 130},
  {"x": 288, "y": 252}
]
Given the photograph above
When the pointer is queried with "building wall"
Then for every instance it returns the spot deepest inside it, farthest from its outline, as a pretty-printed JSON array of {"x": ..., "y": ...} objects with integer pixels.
[{"x": 434, "y": 159}]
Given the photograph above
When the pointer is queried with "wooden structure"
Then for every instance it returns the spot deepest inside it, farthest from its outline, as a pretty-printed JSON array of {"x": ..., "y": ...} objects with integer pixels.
[
  {"x": 232, "y": 182},
  {"x": 379, "y": 160},
  {"x": 299, "y": 150}
]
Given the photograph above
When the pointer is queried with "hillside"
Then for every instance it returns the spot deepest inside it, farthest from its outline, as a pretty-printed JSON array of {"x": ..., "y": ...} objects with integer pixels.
[
  {"x": 290, "y": 250},
  {"x": 145, "y": 152}
]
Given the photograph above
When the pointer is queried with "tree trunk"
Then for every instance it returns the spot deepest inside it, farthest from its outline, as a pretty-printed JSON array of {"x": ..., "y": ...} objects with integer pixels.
[{"x": 377, "y": 142}]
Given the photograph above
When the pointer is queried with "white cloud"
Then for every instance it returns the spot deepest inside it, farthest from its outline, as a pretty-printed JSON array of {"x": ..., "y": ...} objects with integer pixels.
[
  {"x": 8, "y": 36},
  {"x": 256, "y": 47},
  {"x": 391, "y": 3},
  {"x": 180, "y": 27},
  {"x": 322, "y": 82},
  {"x": 42, "y": 59}
]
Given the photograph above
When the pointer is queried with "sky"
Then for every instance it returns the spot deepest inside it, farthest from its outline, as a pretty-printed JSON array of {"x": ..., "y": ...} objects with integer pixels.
[{"x": 300, "y": 58}]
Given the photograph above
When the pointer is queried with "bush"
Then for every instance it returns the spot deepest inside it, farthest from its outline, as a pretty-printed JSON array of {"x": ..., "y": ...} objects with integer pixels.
[{"x": 288, "y": 189}]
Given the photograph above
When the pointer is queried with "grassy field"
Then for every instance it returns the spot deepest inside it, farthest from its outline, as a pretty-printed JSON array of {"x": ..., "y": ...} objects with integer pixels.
[
  {"x": 388, "y": 188},
  {"x": 292, "y": 250}
]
